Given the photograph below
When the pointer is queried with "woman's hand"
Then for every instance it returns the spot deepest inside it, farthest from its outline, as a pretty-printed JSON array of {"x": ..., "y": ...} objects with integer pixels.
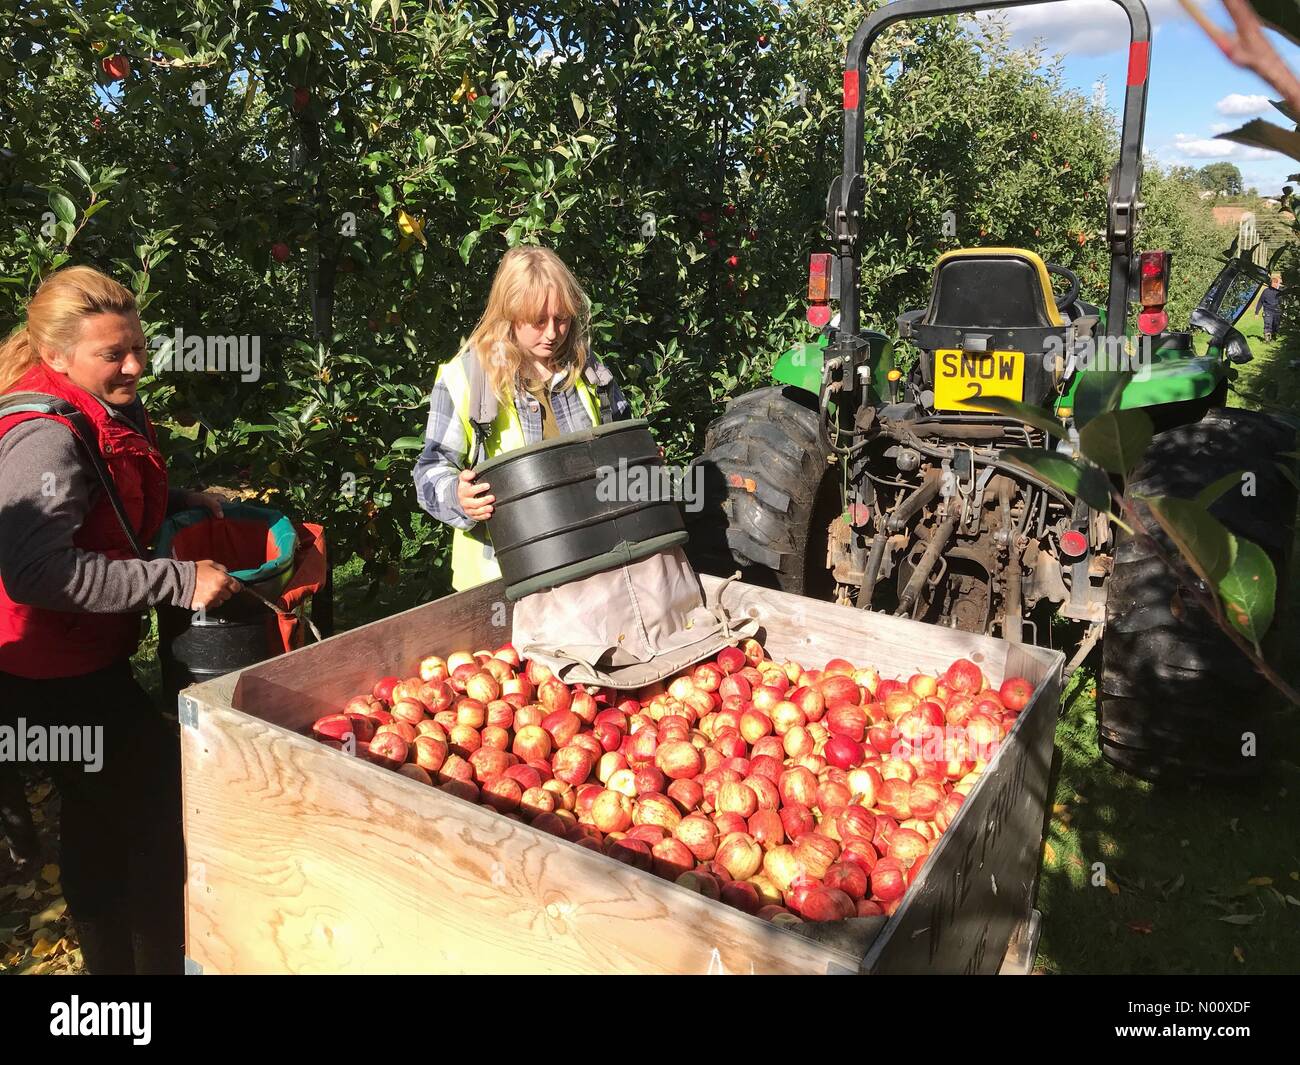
[
  {"x": 213, "y": 585},
  {"x": 208, "y": 501},
  {"x": 476, "y": 505}
]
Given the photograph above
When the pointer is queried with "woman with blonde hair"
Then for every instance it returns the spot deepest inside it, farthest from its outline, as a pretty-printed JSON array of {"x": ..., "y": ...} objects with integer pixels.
[
  {"x": 82, "y": 486},
  {"x": 525, "y": 374}
]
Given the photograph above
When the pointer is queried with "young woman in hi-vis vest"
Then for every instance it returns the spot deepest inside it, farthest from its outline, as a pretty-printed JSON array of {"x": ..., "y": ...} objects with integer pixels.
[{"x": 530, "y": 358}]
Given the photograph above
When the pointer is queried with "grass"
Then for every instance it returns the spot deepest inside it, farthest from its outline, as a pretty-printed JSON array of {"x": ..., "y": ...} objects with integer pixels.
[{"x": 1201, "y": 879}]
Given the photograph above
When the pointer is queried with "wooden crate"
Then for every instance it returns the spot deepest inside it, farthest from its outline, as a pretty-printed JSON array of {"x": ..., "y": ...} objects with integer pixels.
[{"x": 303, "y": 859}]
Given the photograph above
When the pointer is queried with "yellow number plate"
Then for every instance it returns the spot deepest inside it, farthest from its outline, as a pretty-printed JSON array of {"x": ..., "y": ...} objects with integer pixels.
[{"x": 960, "y": 375}]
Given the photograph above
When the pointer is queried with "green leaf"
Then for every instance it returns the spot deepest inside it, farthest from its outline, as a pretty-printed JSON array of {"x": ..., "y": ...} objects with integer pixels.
[
  {"x": 64, "y": 209},
  {"x": 407, "y": 443},
  {"x": 467, "y": 245},
  {"x": 1026, "y": 412},
  {"x": 579, "y": 108},
  {"x": 1097, "y": 392},
  {"x": 1260, "y": 134},
  {"x": 1211, "y": 492},
  {"x": 1249, "y": 590},
  {"x": 1085, "y": 481},
  {"x": 1116, "y": 439},
  {"x": 81, "y": 171},
  {"x": 1198, "y": 534},
  {"x": 94, "y": 208}
]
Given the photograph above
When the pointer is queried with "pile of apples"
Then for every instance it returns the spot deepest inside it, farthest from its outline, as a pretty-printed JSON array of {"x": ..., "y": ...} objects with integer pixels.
[{"x": 789, "y": 793}]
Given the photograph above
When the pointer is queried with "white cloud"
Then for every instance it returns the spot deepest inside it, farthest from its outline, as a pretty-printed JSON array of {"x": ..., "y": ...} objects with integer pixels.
[
  {"x": 1191, "y": 147},
  {"x": 1222, "y": 127},
  {"x": 1238, "y": 104},
  {"x": 1081, "y": 27}
]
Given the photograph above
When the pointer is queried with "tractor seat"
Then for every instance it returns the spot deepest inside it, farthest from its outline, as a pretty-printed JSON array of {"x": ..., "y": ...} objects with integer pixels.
[{"x": 987, "y": 299}]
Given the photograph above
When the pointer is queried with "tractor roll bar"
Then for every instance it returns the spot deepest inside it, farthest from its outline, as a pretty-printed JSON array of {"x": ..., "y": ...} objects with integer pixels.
[{"x": 846, "y": 201}]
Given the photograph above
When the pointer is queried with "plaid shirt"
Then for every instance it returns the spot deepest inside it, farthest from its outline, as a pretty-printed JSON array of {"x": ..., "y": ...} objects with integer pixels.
[{"x": 447, "y": 451}]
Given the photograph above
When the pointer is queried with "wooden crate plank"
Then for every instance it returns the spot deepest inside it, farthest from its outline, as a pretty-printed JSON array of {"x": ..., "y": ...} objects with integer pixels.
[
  {"x": 812, "y": 632},
  {"x": 356, "y": 869},
  {"x": 297, "y": 688}
]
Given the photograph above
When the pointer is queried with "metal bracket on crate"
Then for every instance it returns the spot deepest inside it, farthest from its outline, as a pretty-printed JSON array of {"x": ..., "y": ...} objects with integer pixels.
[
  {"x": 187, "y": 710},
  {"x": 192, "y": 968}
]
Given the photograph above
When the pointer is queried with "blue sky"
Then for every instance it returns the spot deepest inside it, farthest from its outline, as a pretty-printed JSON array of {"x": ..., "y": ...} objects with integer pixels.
[{"x": 1195, "y": 92}]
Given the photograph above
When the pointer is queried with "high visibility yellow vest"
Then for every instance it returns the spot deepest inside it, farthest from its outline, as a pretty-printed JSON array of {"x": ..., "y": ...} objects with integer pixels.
[{"x": 472, "y": 560}]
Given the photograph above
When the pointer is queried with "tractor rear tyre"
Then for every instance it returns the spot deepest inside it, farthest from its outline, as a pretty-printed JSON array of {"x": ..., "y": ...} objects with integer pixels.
[
  {"x": 769, "y": 494},
  {"x": 1175, "y": 696}
]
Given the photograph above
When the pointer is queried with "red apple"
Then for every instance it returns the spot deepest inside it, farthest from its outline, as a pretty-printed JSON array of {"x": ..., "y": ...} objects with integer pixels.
[
  {"x": 117, "y": 67},
  {"x": 1016, "y": 693},
  {"x": 656, "y": 809},
  {"x": 827, "y": 904},
  {"x": 532, "y": 742},
  {"x": 670, "y": 858},
  {"x": 964, "y": 676},
  {"x": 612, "y": 812},
  {"x": 743, "y": 895},
  {"x": 679, "y": 760},
  {"x": 798, "y": 786},
  {"x": 388, "y": 749},
  {"x": 740, "y": 854},
  {"x": 842, "y": 752},
  {"x": 888, "y": 880},
  {"x": 573, "y": 765},
  {"x": 767, "y": 828},
  {"x": 554, "y": 694},
  {"x": 688, "y": 794}
]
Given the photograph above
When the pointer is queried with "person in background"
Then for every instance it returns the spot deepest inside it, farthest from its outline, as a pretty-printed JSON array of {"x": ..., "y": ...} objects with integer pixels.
[
  {"x": 73, "y": 595},
  {"x": 525, "y": 374},
  {"x": 1270, "y": 306}
]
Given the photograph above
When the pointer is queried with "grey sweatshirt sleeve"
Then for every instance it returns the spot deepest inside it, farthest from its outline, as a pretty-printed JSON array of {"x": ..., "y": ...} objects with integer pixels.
[
  {"x": 446, "y": 452},
  {"x": 47, "y": 488}
]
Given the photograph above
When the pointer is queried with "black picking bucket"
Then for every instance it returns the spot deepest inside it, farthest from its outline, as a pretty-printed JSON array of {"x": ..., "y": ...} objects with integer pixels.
[{"x": 579, "y": 504}]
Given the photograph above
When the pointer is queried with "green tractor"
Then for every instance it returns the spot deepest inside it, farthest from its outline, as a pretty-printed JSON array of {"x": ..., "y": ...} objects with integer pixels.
[{"x": 850, "y": 481}]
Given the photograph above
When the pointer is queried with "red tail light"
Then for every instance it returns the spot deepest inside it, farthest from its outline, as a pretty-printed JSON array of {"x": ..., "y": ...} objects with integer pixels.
[
  {"x": 819, "y": 288},
  {"x": 1153, "y": 291},
  {"x": 819, "y": 277}
]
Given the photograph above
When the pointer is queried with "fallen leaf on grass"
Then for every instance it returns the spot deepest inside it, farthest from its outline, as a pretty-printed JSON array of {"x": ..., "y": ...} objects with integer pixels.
[
  {"x": 1260, "y": 881},
  {"x": 1239, "y": 954},
  {"x": 1049, "y": 854},
  {"x": 51, "y": 913},
  {"x": 25, "y": 891},
  {"x": 1294, "y": 875},
  {"x": 50, "y": 874},
  {"x": 1111, "y": 886},
  {"x": 45, "y": 947},
  {"x": 1240, "y": 918},
  {"x": 40, "y": 793},
  {"x": 1293, "y": 900},
  {"x": 1141, "y": 928}
]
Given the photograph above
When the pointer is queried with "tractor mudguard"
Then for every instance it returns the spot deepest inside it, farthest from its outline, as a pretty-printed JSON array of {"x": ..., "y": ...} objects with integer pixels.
[
  {"x": 1166, "y": 380},
  {"x": 801, "y": 365}
]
